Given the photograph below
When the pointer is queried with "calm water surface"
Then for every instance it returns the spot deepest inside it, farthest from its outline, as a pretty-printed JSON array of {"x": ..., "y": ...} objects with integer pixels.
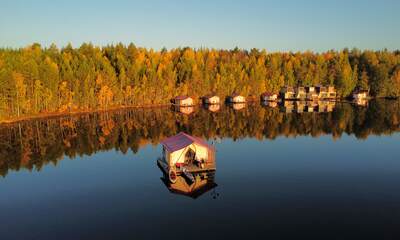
[{"x": 329, "y": 175}]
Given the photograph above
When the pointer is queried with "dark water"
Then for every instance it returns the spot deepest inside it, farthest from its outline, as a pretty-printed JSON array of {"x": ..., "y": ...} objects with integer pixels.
[{"x": 332, "y": 175}]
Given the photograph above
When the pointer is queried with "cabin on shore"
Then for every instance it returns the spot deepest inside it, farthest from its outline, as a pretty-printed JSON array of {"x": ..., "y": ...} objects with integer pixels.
[
  {"x": 360, "y": 94},
  {"x": 268, "y": 96},
  {"x": 322, "y": 92},
  {"x": 361, "y": 102},
  {"x": 311, "y": 94},
  {"x": 211, "y": 99},
  {"x": 183, "y": 101},
  {"x": 185, "y": 154},
  {"x": 300, "y": 93},
  {"x": 287, "y": 93},
  {"x": 236, "y": 98},
  {"x": 331, "y": 92}
]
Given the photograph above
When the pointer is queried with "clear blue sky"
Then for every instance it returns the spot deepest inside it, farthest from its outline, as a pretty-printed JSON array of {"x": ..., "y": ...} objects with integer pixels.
[{"x": 272, "y": 25}]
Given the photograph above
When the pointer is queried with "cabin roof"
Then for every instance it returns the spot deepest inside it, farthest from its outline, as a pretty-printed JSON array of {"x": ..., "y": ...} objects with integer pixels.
[
  {"x": 181, "y": 97},
  {"x": 182, "y": 140}
]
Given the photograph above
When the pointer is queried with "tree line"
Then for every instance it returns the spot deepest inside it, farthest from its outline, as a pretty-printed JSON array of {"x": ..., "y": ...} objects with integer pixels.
[
  {"x": 33, "y": 144},
  {"x": 38, "y": 80}
]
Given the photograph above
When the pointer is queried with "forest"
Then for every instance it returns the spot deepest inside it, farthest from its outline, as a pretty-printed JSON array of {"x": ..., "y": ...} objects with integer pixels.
[
  {"x": 33, "y": 144},
  {"x": 38, "y": 80}
]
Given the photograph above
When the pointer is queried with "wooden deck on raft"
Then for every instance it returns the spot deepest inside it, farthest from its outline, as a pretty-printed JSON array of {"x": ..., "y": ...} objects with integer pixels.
[{"x": 190, "y": 168}]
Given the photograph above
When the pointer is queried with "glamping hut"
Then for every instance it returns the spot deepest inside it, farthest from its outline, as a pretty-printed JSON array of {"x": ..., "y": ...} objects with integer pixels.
[
  {"x": 360, "y": 94},
  {"x": 185, "y": 155},
  {"x": 300, "y": 93},
  {"x": 211, "y": 99},
  {"x": 236, "y": 98},
  {"x": 267, "y": 96},
  {"x": 311, "y": 94},
  {"x": 331, "y": 92},
  {"x": 183, "y": 101},
  {"x": 202, "y": 183},
  {"x": 287, "y": 93},
  {"x": 322, "y": 92}
]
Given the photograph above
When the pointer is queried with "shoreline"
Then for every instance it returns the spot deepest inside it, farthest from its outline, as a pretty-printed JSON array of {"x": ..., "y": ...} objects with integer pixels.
[
  {"x": 76, "y": 112},
  {"x": 80, "y": 112}
]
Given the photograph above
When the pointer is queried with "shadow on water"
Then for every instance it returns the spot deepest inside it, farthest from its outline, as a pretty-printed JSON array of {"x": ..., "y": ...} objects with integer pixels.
[{"x": 33, "y": 144}]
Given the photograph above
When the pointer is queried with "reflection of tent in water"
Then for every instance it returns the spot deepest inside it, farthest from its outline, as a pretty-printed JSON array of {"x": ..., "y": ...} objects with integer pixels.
[{"x": 202, "y": 183}]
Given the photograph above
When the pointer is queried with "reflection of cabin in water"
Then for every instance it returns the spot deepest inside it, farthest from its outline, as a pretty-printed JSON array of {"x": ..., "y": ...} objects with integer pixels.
[
  {"x": 361, "y": 102},
  {"x": 300, "y": 106},
  {"x": 183, "y": 101},
  {"x": 287, "y": 93},
  {"x": 236, "y": 98},
  {"x": 201, "y": 184},
  {"x": 311, "y": 106},
  {"x": 211, "y": 99},
  {"x": 238, "y": 106},
  {"x": 186, "y": 155},
  {"x": 287, "y": 106},
  {"x": 183, "y": 109},
  {"x": 271, "y": 104},
  {"x": 212, "y": 107},
  {"x": 325, "y": 106},
  {"x": 267, "y": 96},
  {"x": 307, "y": 106}
]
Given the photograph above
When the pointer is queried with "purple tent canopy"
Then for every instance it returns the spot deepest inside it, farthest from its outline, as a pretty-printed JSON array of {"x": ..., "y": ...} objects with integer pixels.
[{"x": 182, "y": 140}]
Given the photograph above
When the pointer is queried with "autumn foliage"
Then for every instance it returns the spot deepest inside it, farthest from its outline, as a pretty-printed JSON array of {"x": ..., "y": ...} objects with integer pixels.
[{"x": 37, "y": 80}]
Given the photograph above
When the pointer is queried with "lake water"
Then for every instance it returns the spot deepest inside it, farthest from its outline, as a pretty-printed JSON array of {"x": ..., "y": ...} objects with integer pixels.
[{"x": 320, "y": 175}]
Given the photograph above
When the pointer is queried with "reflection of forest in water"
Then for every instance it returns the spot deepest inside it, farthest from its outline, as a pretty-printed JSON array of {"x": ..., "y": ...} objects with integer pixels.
[{"x": 33, "y": 144}]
